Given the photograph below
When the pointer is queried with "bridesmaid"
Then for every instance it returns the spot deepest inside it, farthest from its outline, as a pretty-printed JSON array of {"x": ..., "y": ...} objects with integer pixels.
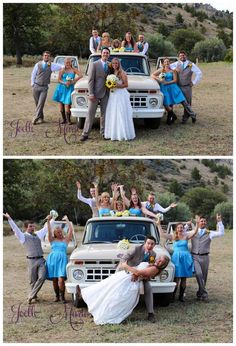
[
  {"x": 181, "y": 256},
  {"x": 64, "y": 89},
  {"x": 57, "y": 259}
]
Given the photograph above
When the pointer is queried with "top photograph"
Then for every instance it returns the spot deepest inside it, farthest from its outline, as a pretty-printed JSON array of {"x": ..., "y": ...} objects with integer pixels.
[{"x": 100, "y": 79}]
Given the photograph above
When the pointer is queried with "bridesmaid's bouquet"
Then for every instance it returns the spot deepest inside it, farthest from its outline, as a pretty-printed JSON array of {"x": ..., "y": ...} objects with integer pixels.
[
  {"x": 69, "y": 79},
  {"x": 123, "y": 244},
  {"x": 111, "y": 81},
  {"x": 162, "y": 76}
]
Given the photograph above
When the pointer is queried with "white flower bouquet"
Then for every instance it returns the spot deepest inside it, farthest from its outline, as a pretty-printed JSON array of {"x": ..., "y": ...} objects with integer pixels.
[{"x": 111, "y": 81}]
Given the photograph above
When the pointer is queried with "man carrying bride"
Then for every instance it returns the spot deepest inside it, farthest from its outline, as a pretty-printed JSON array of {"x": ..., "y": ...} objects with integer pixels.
[{"x": 98, "y": 93}]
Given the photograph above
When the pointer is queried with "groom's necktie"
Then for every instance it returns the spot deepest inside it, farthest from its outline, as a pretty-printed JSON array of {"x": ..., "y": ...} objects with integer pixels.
[
  {"x": 201, "y": 232},
  {"x": 146, "y": 257},
  {"x": 105, "y": 67}
]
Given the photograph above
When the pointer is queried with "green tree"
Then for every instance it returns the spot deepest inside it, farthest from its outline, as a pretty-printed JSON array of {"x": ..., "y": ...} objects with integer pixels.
[
  {"x": 159, "y": 46},
  {"x": 23, "y": 26},
  {"x": 226, "y": 38},
  {"x": 226, "y": 211},
  {"x": 163, "y": 29},
  {"x": 195, "y": 174},
  {"x": 176, "y": 188},
  {"x": 179, "y": 18},
  {"x": 185, "y": 39},
  {"x": 202, "y": 200},
  {"x": 216, "y": 180},
  {"x": 229, "y": 55},
  {"x": 210, "y": 50}
]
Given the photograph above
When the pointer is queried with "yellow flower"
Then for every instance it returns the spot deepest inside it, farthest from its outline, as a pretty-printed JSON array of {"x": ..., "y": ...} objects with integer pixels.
[
  {"x": 122, "y": 49},
  {"x": 190, "y": 65},
  {"x": 151, "y": 259},
  {"x": 49, "y": 63}
]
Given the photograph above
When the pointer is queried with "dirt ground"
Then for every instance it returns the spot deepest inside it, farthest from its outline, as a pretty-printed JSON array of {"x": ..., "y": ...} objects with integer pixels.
[
  {"x": 192, "y": 321},
  {"x": 211, "y": 135}
]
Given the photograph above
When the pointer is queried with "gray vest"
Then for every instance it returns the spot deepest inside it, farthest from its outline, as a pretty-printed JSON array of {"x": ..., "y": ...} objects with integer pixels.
[
  {"x": 201, "y": 245},
  {"x": 43, "y": 76},
  {"x": 185, "y": 76},
  {"x": 95, "y": 44},
  {"x": 33, "y": 245}
]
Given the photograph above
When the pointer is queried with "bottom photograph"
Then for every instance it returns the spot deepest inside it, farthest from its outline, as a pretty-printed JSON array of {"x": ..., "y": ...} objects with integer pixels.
[{"x": 118, "y": 251}]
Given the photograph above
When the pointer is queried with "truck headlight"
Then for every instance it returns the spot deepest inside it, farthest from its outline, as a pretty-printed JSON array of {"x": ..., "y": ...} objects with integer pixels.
[
  {"x": 80, "y": 101},
  {"x": 164, "y": 275},
  {"x": 153, "y": 102},
  {"x": 78, "y": 274}
]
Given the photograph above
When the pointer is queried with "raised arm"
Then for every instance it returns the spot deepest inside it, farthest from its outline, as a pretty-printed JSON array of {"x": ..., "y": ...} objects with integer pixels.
[
  {"x": 220, "y": 228},
  {"x": 166, "y": 236},
  {"x": 69, "y": 234},
  {"x": 158, "y": 207},
  {"x": 43, "y": 231},
  {"x": 82, "y": 198},
  {"x": 50, "y": 237},
  {"x": 18, "y": 233},
  {"x": 148, "y": 212},
  {"x": 96, "y": 195},
  {"x": 124, "y": 198},
  {"x": 192, "y": 233}
]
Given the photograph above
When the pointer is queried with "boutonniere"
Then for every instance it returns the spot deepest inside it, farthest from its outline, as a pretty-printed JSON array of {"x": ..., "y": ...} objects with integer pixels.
[
  {"x": 49, "y": 63},
  {"x": 207, "y": 231},
  {"x": 110, "y": 65},
  {"x": 151, "y": 259},
  {"x": 190, "y": 65}
]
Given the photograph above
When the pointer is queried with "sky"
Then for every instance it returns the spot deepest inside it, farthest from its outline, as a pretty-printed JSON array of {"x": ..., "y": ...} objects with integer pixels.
[{"x": 221, "y": 4}]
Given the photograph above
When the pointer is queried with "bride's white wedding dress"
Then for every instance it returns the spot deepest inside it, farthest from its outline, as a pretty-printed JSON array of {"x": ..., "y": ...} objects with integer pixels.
[
  {"x": 119, "y": 116},
  {"x": 113, "y": 299}
]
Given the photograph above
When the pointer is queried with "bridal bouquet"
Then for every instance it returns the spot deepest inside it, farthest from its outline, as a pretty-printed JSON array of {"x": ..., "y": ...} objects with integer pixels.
[
  {"x": 111, "y": 81},
  {"x": 123, "y": 244},
  {"x": 162, "y": 76}
]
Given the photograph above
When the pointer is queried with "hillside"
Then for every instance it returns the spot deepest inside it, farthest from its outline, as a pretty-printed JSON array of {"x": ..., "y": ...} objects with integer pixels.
[{"x": 152, "y": 15}]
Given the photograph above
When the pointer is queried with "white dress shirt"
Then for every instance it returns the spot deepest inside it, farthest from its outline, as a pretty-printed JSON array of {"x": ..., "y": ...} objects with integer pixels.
[
  {"x": 91, "y": 47},
  {"x": 145, "y": 48},
  {"x": 196, "y": 70},
  {"x": 213, "y": 234},
  {"x": 54, "y": 67},
  {"x": 21, "y": 236},
  {"x": 157, "y": 207}
]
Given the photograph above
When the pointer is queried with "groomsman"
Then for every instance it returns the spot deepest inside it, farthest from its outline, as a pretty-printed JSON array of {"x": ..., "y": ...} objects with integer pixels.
[
  {"x": 34, "y": 252},
  {"x": 90, "y": 201},
  {"x": 94, "y": 41},
  {"x": 155, "y": 207},
  {"x": 142, "y": 45},
  {"x": 185, "y": 69},
  {"x": 200, "y": 251},
  {"x": 40, "y": 79}
]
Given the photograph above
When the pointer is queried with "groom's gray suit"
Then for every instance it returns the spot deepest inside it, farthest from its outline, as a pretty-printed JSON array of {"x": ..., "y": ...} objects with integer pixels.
[
  {"x": 134, "y": 258},
  {"x": 96, "y": 87}
]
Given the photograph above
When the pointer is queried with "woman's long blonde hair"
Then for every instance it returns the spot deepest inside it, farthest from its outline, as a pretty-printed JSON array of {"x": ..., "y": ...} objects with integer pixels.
[{"x": 120, "y": 71}]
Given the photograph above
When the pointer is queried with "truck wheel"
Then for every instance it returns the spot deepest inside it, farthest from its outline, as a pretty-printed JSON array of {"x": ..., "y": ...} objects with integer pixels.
[
  {"x": 78, "y": 303},
  {"x": 152, "y": 123},
  {"x": 162, "y": 299},
  {"x": 80, "y": 123}
]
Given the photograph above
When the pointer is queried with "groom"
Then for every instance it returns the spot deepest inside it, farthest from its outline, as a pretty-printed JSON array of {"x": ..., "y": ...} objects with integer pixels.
[
  {"x": 142, "y": 253},
  {"x": 98, "y": 93}
]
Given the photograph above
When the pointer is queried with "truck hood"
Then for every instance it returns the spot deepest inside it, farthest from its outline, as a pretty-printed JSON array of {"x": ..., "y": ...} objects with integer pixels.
[
  {"x": 106, "y": 252},
  {"x": 135, "y": 83}
]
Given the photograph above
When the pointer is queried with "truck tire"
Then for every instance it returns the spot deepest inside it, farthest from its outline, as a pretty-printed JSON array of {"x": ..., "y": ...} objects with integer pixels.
[
  {"x": 152, "y": 123},
  {"x": 80, "y": 123},
  {"x": 162, "y": 299}
]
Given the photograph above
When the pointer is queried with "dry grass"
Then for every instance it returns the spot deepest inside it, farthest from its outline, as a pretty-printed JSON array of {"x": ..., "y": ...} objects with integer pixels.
[
  {"x": 191, "y": 321},
  {"x": 211, "y": 135}
]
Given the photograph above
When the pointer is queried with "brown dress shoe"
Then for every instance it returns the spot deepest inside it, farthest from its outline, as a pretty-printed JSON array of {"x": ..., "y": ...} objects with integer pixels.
[{"x": 83, "y": 138}]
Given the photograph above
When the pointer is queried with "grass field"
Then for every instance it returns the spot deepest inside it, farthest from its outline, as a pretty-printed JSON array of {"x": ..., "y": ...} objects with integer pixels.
[
  {"x": 211, "y": 135},
  {"x": 189, "y": 322}
]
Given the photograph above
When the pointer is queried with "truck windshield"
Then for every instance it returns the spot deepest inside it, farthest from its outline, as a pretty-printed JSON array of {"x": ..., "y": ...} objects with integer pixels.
[
  {"x": 114, "y": 231},
  {"x": 132, "y": 65}
]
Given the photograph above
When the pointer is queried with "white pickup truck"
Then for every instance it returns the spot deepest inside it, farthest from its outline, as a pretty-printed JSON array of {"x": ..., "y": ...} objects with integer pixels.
[
  {"x": 98, "y": 255},
  {"x": 145, "y": 95}
]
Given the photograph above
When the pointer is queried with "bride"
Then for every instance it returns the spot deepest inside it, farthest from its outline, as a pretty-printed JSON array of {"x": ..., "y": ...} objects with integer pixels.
[
  {"x": 119, "y": 114},
  {"x": 113, "y": 299}
]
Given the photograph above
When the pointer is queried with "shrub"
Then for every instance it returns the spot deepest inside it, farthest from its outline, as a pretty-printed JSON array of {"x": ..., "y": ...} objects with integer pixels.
[
  {"x": 229, "y": 55},
  {"x": 159, "y": 46},
  {"x": 176, "y": 188},
  {"x": 195, "y": 174},
  {"x": 180, "y": 213},
  {"x": 226, "y": 211},
  {"x": 209, "y": 50}
]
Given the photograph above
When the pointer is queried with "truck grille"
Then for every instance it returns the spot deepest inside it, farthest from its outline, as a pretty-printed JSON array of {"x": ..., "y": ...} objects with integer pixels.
[
  {"x": 98, "y": 274},
  {"x": 138, "y": 101}
]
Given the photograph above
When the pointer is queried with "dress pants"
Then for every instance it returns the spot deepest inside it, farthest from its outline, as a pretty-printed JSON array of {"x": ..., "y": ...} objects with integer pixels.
[
  {"x": 148, "y": 296},
  {"x": 92, "y": 107},
  {"x": 201, "y": 265},
  {"x": 40, "y": 95},
  {"x": 37, "y": 275}
]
